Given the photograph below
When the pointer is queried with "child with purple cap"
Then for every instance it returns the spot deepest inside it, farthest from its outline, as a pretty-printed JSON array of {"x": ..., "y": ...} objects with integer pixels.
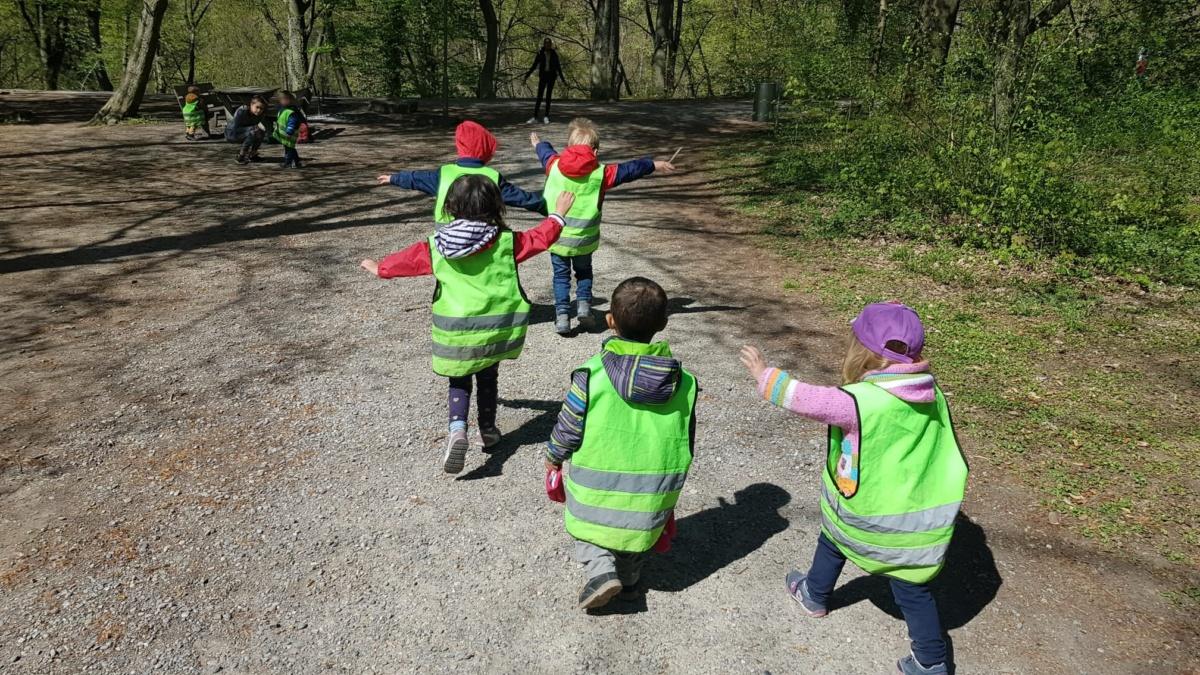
[{"x": 894, "y": 477}]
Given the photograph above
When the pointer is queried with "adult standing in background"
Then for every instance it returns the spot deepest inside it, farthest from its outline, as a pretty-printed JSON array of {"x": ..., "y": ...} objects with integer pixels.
[{"x": 549, "y": 68}]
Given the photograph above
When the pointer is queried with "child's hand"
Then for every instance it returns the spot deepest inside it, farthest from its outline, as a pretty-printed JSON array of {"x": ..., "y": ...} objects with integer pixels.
[
  {"x": 383, "y": 179},
  {"x": 534, "y": 139},
  {"x": 665, "y": 167},
  {"x": 565, "y": 200},
  {"x": 754, "y": 361},
  {"x": 370, "y": 266},
  {"x": 551, "y": 466}
]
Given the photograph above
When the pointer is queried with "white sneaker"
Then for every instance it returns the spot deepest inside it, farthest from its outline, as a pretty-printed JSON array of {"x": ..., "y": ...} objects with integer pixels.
[
  {"x": 531, "y": 120},
  {"x": 546, "y": 120},
  {"x": 456, "y": 452}
]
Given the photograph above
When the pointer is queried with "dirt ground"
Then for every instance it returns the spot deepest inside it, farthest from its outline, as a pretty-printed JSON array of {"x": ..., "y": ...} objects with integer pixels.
[{"x": 220, "y": 439}]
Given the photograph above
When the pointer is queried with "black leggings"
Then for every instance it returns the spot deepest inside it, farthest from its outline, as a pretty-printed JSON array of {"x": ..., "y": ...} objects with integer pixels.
[{"x": 545, "y": 84}]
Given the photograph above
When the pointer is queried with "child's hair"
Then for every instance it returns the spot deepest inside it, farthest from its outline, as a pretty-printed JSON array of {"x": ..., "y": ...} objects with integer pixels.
[
  {"x": 286, "y": 97},
  {"x": 639, "y": 309},
  {"x": 859, "y": 361},
  {"x": 582, "y": 131},
  {"x": 476, "y": 197},
  {"x": 258, "y": 98},
  {"x": 193, "y": 89}
]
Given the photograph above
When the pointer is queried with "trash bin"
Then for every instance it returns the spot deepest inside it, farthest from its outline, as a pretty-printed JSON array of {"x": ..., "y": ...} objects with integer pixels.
[{"x": 766, "y": 101}]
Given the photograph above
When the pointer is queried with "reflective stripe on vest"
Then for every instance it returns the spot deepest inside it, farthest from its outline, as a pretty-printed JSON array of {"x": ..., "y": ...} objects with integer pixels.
[
  {"x": 449, "y": 173},
  {"x": 905, "y": 485},
  {"x": 581, "y": 228},
  {"x": 480, "y": 313},
  {"x": 627, "y": 474},
  {"x": 279, "y": 133}
]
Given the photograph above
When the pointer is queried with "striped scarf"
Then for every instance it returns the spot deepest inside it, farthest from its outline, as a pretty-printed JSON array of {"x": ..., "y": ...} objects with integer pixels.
[{"x": 462, "y": 238}]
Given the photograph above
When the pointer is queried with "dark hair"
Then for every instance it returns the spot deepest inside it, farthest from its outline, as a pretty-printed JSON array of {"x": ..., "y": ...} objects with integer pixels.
[
  {"x": 288, "y": 95},
  {"x": 476, "y": 197},
  {"x": 639, "y": 308},
  {"x": 258, "y": 98}
]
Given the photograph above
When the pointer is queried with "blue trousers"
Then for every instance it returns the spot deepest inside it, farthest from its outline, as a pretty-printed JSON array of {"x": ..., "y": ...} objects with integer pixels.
[
  {"x": 915, "y": 601},
  {"x": 562, "y": 280}
]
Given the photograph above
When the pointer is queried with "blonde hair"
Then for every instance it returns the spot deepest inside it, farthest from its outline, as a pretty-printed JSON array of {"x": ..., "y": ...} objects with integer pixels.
[
  {"x": 582, "y": 131},
  {"x": 859, "y": 361}
]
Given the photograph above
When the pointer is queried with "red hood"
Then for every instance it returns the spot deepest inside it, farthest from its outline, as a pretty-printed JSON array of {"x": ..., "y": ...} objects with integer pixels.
[
  {"x": 577, "y": 161},
  {"x": 474, "y": 142}
]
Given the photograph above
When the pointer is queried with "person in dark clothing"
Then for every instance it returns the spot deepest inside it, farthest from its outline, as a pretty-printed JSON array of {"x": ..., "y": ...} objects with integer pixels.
[
  {"x": 549, "y": 68},
  {"x": 248, "y": 127}
]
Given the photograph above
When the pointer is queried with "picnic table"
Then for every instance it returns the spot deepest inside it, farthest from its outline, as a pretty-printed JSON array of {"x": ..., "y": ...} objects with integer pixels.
[{"x": 232, "y": 98}]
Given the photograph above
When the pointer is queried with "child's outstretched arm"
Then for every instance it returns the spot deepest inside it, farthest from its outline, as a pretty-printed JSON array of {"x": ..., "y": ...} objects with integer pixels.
[
  {"x": 545, "y": 151},
  {"x": 828, "y": 405},
  {"x": 625, "y": 172},
  {"x": 567, "y": 435},
  {"x": 539, "y": 239},
  {"x": 423, "y": 181},
  {"x": 522, "y": 199},
  {"x": 413, "y": 261}
]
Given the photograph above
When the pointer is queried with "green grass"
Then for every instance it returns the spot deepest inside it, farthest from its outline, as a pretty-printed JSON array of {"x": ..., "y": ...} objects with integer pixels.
[{"x": 1083, "y": 387}]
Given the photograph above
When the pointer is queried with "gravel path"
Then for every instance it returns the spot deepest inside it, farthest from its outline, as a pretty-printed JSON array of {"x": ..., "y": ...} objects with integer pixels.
[{"x": 221, "y": 439}]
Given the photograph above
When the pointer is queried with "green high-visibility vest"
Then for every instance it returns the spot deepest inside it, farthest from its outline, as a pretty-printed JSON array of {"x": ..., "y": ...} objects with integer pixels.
[
  {"x": 894, "y": 508},
  {"x": 280, "y": 133},
  {"x": 480, "y": 312},
  {"x": 193, "y": 114},
  {"x": 446, "y": 177},
  {"x": 581, "y": 229},
  {"x": 625, "y": 478}
]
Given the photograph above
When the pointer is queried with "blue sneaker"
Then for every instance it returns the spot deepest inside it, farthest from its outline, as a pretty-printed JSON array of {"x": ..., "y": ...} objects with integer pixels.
[
  {"x": 797, "y": 587},
  {"x": 910, "y": 666}
]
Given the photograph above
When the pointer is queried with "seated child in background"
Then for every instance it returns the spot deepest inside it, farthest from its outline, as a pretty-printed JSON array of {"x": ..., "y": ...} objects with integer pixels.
[
  {"x": 628, "y": 428},
  {"x": 894, "y": 475},
  {"x": 578, "y": 170},
  {"x": 287, "y": 129},
  {"x": 195, "y": 113},
  {"x": 248, "y": 128},
  {"x": 476, "y": 146},
  {"x": 480, "y": 313}
]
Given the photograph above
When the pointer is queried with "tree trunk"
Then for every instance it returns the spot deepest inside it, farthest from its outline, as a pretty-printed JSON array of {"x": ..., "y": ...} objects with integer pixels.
[
  {"x": 47, "y": 28},
  {"x": 297, "y": 44},
  {"x": 935, "y": 30},
  {"x": 1015, "y": 24},
  {"x": 102, "y": 79},
  {"x": 191, "y": 74},
  {"x": 335, "y": 57},
  {"x": 606, "y": 51},
  {"x": 880, "y": 33},
  {"x": 487, "y": 76},
  {"x": 127, "y": 98},
  {"x": 664, "y": 32}
]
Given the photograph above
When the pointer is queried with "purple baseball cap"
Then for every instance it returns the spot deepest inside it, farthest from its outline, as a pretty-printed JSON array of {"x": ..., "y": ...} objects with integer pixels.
[{"x": 891, "y": 330}]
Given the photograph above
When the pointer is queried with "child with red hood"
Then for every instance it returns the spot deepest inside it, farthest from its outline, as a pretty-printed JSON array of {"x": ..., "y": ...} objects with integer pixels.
[
  {"x": 475, "y": 146},
  {"x": 578, "y": 171}
]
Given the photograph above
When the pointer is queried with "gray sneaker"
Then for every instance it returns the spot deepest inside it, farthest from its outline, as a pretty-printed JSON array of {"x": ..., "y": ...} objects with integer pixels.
[
  {"x": 583, "y": 314},
  {"x": 456, "y": 452},
  {"x": 910, "y": 666},
  {"x": 797, "y": 587},
  {"x": 599, "y": 590},
  {"x": 562, "y": 324}
]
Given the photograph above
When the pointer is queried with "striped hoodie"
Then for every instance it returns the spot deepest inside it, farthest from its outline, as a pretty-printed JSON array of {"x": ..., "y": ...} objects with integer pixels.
[{"x": 638, "y": 379}]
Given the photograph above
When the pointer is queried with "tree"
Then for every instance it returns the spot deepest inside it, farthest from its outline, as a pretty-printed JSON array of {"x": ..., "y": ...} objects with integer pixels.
[
  {"x": 301, "y": 20},
  {"x": 49, "y": 24},
  {"x": 665, "y": 26},
  {"x": 487, "y": 74},
  {"x": 127, "y": 98},
  {"x": 1015, "y": 23},
  {"x": 931, "y": 44},
  {"x": 606, "y": 50},
  {"x": 93, "y": 15},
  {"x": 193, "y": 13}
]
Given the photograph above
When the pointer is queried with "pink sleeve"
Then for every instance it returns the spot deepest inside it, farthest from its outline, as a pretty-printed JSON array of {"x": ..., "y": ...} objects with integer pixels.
[{"x": 828, "y": 405}]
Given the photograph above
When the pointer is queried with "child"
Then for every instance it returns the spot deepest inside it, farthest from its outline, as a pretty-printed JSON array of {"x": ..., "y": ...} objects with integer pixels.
[
  {"x": 894, "y": 475},
  {"x": 480, "y": 311},
  {"x": 577, "y": 170},
  {"x": 475, "y": 146},
  {"x": 628, "y": 427},
  {"x": 287, "y": 128},
  {"x": 195, "y": 113},
  {"x": 244, "y": 127}
]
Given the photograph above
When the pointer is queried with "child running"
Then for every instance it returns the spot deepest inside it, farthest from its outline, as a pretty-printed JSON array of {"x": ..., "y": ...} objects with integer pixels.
[
  {"x": 628, "y": 428},
  {"x": 894, "y": 477},
  {"x": 578, "y": 171},
  {"x": 480, "y": 312},
  {"x": 287, "y": 129},
  {"x": 195, "y": 113},
  {"x": 476, "y": 146}
]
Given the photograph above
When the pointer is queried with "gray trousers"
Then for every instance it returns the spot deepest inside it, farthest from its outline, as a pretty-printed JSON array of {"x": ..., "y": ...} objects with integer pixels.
[{"x": 597, "y": 561}]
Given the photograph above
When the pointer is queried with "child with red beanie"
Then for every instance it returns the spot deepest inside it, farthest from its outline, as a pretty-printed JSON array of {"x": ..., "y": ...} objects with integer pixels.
[{"x": 476, "y": 146}]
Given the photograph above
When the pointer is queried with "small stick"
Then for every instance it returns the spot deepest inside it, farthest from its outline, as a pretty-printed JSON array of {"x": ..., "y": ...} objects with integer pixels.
[{"x": 669, "y": 161}]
